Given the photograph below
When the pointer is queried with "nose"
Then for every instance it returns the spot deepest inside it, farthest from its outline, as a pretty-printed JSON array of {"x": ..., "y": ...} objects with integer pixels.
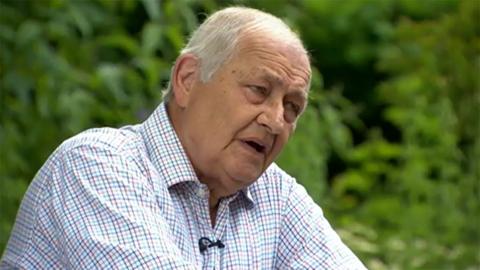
[{"x": 272, "y": 118}]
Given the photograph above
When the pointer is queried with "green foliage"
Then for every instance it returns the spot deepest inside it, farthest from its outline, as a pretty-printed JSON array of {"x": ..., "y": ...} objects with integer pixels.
[{"x": 389, "y": 145}]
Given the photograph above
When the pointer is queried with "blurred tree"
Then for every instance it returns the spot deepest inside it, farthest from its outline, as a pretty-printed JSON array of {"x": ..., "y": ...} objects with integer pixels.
[{"x": 421, "y": 190}]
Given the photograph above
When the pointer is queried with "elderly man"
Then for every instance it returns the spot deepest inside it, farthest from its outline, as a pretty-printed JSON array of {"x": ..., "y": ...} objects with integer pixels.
[{"x": 194, "y": 186}]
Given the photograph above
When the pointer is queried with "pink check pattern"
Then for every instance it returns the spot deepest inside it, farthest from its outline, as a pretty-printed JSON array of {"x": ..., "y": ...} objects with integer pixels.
[{"x": 129, "y": 198}]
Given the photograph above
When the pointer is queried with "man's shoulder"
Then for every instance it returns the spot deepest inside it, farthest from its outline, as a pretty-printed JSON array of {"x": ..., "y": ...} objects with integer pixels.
[
  {"x": 97, "y": 153},
  {"x": 275, "y": 182},
  {"x": 274, "y": 174},
  {"x": 99, "y": 143},
  {"x": 111, "y": 140}
]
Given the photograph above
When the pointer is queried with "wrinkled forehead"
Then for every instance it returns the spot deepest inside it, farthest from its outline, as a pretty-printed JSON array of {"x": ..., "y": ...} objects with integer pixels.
[
  {"x": 268, "y": 48},
  {"x": 278, "y": 41},
  {"x": 271, "y": 43}
]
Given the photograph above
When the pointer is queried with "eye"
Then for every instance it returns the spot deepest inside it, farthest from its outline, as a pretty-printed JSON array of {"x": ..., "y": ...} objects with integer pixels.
[
  {"x": 292, "y": 110},
  {"x": 256, "y": 93},
  {"x": 260, "y": 90}
]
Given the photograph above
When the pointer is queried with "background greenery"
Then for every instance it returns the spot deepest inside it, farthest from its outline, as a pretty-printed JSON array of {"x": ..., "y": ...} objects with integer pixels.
[{"x": 389, "y": 145}]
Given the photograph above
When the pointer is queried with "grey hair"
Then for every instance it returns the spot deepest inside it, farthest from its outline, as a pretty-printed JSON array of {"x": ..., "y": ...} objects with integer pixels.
[{"x": 215, "y": 40}]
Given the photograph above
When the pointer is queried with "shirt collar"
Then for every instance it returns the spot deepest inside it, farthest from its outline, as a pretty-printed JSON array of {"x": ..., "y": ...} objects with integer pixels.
[
  {"x": 248, "y": 195},
  {"x": 167, "y": 153},
  {"x": 164, "y": 148}
]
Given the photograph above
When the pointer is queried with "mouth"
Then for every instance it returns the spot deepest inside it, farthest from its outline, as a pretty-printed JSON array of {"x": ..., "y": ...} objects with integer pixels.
[{"x": 256, "y": 146}]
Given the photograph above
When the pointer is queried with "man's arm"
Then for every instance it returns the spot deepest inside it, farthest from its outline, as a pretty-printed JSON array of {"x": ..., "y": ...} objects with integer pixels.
[
  {"x": 307, "y": 240},
  {"x": 99, "y": 211}
]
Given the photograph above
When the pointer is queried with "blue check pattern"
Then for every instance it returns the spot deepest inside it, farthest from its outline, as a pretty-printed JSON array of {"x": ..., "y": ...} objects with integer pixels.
[{"x": 129, "y": 198}]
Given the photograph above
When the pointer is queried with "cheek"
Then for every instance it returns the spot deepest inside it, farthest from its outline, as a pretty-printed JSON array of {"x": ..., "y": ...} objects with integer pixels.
[{"x": 280, "y": 143}]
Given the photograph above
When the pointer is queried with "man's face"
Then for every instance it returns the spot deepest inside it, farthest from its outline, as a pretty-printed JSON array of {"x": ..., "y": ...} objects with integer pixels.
[{"x": 236, "y": 124}]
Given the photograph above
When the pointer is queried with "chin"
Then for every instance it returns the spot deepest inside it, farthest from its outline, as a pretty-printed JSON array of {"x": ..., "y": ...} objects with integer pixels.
[
  {"x": 245, "y": 176},
  {"x": 243, "y": 170}
]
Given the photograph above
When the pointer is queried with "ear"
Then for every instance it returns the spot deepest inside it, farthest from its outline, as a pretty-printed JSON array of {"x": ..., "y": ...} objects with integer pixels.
[{"x": 184, "y": 77}]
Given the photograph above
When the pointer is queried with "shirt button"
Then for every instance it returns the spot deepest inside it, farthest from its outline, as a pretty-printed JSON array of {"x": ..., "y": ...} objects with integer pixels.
[{"x": 202, "y": 192}]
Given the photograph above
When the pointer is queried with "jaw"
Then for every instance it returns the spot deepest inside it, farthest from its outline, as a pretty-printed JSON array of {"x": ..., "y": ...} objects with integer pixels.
[{"x": 235, "y": 170}]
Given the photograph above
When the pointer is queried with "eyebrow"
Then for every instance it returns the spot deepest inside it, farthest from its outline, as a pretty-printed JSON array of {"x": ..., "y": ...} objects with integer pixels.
[
  {"x": 277, "y": 80},
  {"x": 272, "y": 78}
]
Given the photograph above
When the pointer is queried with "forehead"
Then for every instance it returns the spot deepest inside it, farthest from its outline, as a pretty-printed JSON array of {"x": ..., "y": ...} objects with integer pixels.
[{"x": 279, "y": 61}]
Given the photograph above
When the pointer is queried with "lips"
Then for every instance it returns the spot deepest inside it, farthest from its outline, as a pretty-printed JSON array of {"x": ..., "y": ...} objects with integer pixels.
[{"x": 258, "y": 145}]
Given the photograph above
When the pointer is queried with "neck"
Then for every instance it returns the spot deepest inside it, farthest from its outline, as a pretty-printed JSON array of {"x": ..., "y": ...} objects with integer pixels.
[
  {"x": 213, "y": 202},
  {"x": 216, "y": 190}
]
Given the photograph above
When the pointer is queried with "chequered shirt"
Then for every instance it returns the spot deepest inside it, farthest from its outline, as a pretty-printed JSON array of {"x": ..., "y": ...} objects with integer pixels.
[{"x": 129, "y": 198}]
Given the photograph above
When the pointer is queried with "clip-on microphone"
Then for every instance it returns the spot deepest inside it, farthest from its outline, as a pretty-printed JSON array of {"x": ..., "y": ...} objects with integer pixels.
[{"x": 204, "y": 243}]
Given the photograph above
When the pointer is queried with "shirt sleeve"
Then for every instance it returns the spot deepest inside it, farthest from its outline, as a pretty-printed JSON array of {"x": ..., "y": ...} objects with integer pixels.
[
  {"x": 307, "y": 241},
  {"x": 105, "y": 214}
]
